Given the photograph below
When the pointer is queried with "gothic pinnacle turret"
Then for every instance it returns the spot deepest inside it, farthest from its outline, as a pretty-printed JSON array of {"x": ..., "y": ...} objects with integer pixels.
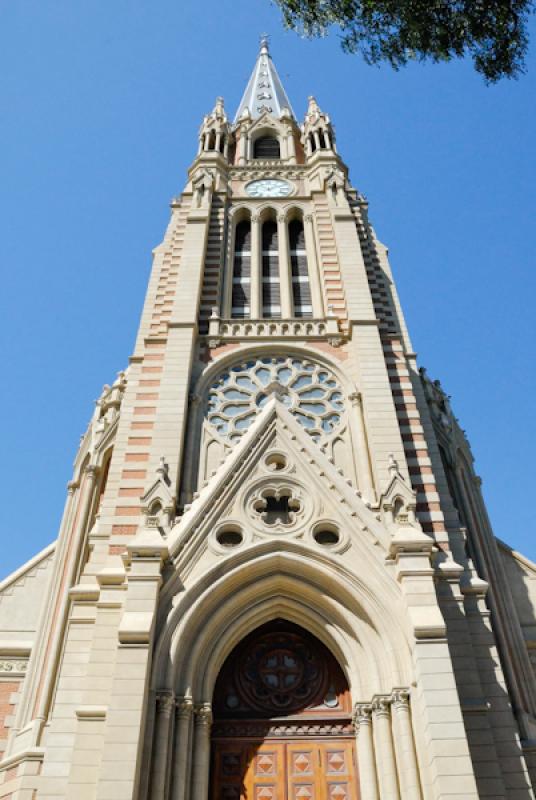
[{"x": 264, "y": 92}]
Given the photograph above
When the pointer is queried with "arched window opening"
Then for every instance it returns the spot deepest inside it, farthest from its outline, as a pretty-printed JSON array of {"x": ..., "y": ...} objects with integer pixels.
[
  {"x": 222, "y": 143},
  {"x": 312, "y": 143},
  {"x": 212, "y": 141},
  {"x": 322, "y": 139},
  {"x": 266, "y": 147},
  {"x": 301, "y": 288},
  {"x": 241, "y": 291},
  {"x": 271, "y": 292}
]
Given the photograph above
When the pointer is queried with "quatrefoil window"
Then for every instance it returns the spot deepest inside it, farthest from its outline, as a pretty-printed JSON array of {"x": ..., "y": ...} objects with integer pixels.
[
  {"x": 277, "y": 506},
  {"x": 311, "y": 393}
]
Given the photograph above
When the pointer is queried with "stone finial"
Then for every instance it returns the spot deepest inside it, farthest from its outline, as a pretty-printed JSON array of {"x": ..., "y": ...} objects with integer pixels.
[
  {"x": 393, "y": 465},
  {"x": 163, "y": 469},
  {"x": 219, "y": 110}
]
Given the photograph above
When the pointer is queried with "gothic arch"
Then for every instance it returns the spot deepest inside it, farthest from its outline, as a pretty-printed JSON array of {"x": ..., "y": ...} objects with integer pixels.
[
  {"x": 364, "y": 633},
  {"x": 294, "y": 211},
  {"x": 359, "y": 621},
  {"x": 266, "y": 129}
]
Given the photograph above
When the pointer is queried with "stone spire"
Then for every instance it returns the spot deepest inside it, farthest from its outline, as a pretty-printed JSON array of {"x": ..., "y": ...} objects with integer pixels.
[{"x": 264, "y": 92}]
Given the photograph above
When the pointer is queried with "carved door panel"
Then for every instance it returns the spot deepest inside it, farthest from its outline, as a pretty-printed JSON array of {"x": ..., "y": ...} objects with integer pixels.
[
  {"x": 265, "y": 778},
  {"x": 338, "y": 771},
  {"x": 229, "y": 769},
  {"x": 303, "y": 766},
  {"x": 297, "y": 770}
]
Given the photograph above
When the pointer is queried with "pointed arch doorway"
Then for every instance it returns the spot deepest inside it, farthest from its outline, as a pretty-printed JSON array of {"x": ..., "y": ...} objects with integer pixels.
[{"x": 282, "y": 721}]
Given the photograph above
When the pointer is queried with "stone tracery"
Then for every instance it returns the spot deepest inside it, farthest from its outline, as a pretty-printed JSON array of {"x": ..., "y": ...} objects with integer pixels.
[{"x": 310, "y": 391}]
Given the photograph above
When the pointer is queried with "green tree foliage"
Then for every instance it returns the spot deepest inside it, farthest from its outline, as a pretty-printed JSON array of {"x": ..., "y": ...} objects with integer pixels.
[{"x": 492, "y": 32}]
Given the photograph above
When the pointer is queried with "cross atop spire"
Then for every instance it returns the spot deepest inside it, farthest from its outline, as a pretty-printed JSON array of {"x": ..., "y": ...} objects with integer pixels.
[{"x": 264, "y": 92}]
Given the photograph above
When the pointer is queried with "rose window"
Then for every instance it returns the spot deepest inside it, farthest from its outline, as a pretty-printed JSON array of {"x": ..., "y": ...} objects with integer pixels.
[{"x": 309, "y": 391}]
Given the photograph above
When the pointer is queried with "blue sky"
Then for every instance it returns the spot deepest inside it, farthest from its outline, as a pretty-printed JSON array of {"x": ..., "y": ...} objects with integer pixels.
[{"x": 101, "y": 103}]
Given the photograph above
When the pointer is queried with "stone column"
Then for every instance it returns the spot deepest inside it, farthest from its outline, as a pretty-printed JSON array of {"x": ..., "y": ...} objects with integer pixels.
[
  {"x": 163, "y": 734},
  {"x": 243, "y": 143},
  {"x": 317, "y": 139},
  {"x": 383, "y": 745},
  {"x": 408, "y": 772},
  {"x": 366, "y": 764},
  {"x": 255, "y": 301},
  {"x": 362, "y": 451},
  {"x": 68, "y": 565},
  {"x": 218, "y": 142},
  {"x": 201, "y": 753},
  {"x": 312, "y": 267},
  {"x": 291, "y": 147},
  {"x": 181, "y": 750},
  {"x": 285, "y": 272}
]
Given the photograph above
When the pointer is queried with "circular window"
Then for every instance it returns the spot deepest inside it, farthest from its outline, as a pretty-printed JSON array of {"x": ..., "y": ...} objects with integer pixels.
[
  {"x": 311, "y": 393},
  {"x": 276, "y": 462},
  {"x": 229, "y": 537},
  {"x": 326, "y": 536}
]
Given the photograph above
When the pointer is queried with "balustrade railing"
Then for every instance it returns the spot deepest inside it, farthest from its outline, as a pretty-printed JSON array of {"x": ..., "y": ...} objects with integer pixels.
[{"x": 225, "y": 329}]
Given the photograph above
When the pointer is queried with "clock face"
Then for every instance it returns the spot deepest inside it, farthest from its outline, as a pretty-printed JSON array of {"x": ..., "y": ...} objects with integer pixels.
[{"x": 268, "y": 187}]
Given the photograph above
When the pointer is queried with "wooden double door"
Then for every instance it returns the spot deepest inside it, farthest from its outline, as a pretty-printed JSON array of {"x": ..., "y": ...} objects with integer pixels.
[{"x": 307, "y": 769}]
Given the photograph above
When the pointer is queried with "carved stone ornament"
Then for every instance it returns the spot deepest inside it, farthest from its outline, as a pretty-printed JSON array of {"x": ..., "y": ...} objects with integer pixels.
[
  {"x": 278, "y": 506},
  {"x": 165, "y": 703},
  {"x": 184, "y": 706},
  {"x": 203, "y": 714},
  {"x": 309, "y": 390},
  {"x": 12, "y": 666},
  {"x": 267, "y": 729},
  {"x": 401, "y": 698},
  {"x": 381, "y": 706},
  {"x": 362, "y": 716}
]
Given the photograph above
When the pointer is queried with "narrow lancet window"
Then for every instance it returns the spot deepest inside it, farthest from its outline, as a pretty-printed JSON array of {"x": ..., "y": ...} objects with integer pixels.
[
  {"x": 301, "y": 289},
  {"x": 271, "y": 295},
  {"x": 242, "y": 271}
]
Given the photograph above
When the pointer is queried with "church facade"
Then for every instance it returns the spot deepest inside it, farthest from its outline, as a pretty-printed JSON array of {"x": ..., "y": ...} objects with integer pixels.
[{"x": 275, "y": 577}]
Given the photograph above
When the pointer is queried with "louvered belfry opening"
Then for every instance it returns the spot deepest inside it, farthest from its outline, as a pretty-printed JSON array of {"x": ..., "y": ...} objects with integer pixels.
[
  {"x": 301, "y": 289},
  {"x": 241, "y": 294},
  {"x": 266, "y": 147},
  {"x": 271, "y": 292}
]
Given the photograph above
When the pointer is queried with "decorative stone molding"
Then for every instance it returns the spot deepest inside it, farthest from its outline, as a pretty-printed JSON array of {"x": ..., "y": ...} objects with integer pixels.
[
  {"x": 184, "y": 707},
  {"x": 381, "y": 706},
  {"x": 233, "y": 329},
  {"x": 400, "y": 698},
  {"x": 263, "y": 495},
  {"x": 362, "y": 715},
  {"x": 266, "y": 169},
  {"x": 91, "y": 713},
  {"x": 261, "y": 730},
  {"x": 165, "y": 703},
  {"x": 13, "y": 666},
  {"x": 203, "y": 715}
]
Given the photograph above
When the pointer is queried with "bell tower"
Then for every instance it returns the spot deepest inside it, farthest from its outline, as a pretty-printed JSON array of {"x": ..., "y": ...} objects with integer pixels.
[{"x": 275, "y": 576}]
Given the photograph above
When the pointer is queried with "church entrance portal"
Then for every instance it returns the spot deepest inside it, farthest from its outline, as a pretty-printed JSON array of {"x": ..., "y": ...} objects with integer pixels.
[{"x": 282, "y": 721}]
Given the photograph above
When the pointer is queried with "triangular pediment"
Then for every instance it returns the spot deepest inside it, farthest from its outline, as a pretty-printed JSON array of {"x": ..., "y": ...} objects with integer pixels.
[
  {"x": 265, "y": 121},
  {"x": 276, "y": 465}
]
